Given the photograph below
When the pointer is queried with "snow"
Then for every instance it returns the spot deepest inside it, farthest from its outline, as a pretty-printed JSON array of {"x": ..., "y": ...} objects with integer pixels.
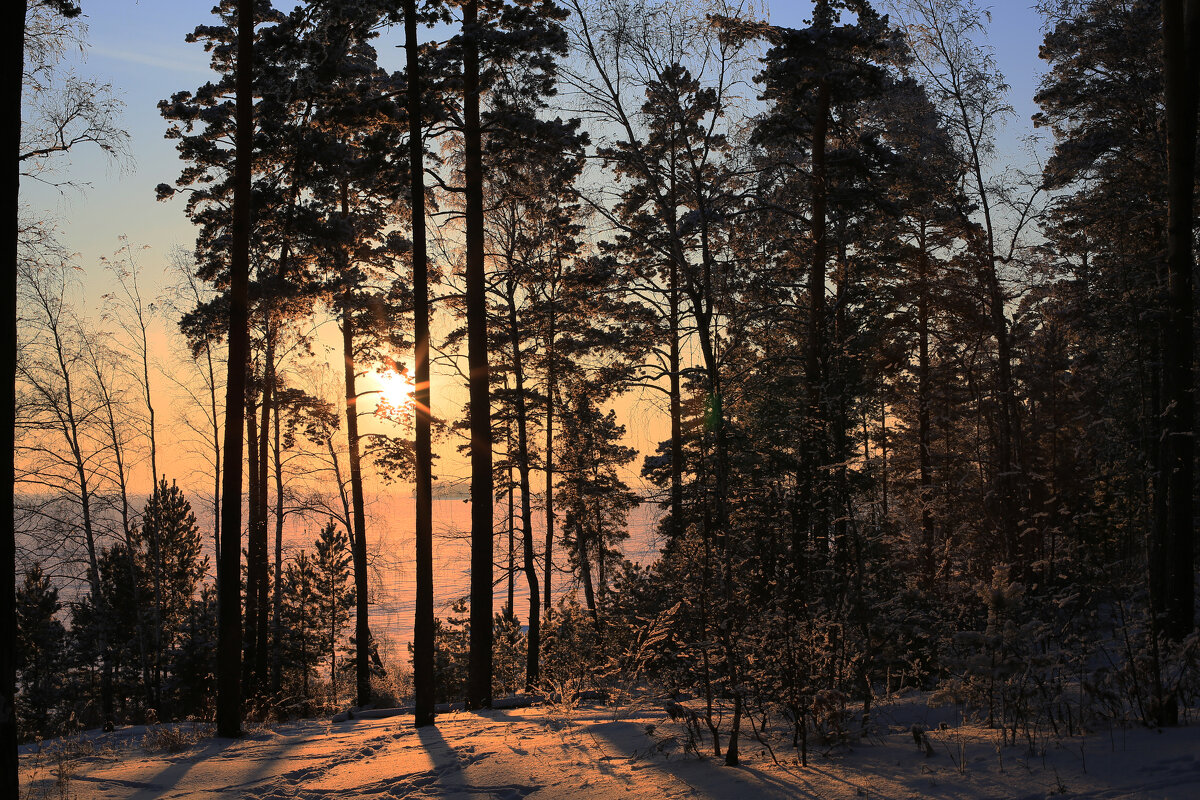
[{"x": 604, "y": 753}]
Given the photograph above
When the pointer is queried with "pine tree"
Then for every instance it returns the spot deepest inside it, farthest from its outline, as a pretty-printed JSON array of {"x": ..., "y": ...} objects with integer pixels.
[
  {"x": 497, "y": 35},
  {"x": 594, "y": 500},
  {"x": 452, "y": 653},
  {"x": 678, "y": 195},
  {"x": 424, "y": 622},
  {"x": 965, "y": 86},
  {"x": 479, "y": 683},
  {"x": 229, "y": 690},
  {"x": 193, "y": 664},
  {"x": 335, "y": 595},
  {"x": 1181, "y": 90},
  {"x": 40, "y": 653},
  {"x": 352, "y": 174},
  {"x": 1119, "y": 213},
  {"x": 533, "y": 231},
  {"x": 173, "y": 566},
  {"x": 303, "y": 628},
  {"x": 280, "y": 286},
  {"x": 104, "y": 632},
  {"x": 814, "y": 112}
]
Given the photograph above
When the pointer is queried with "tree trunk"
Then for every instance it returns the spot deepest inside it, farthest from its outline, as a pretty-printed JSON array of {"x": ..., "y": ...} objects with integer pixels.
[
  {"x": 13, "y": 79},
  {"x": 551, "y": 388},
  {"x": 1009, "y": 508},
  {"x": 153, "y": 434},
  {"x": 731, "y": 749},
  {"x": 106, "y": 688},
  {"x": 277, "y": 594},
  {"x": 330, "y": 592},
  {"x": 676, "y": 398},
  {"x": 820, "y": 253},
  {"x": 229, "y": 699},
  {"x": 121, "y": 476},
  {"x": 674, "y": 365},
  {"x": 479, "y": 680},
  {"x": 423, "y": 627},
  {"x": 261, "y": 678},
  {"x": 362, "y": 630},
  {"x": 923, "y": 390},
  {"x": 1181, "y": 39},
  {"x": 70, "y": 430},
  {"x": 533, "y": 637},
  {"x": 585, "y": 573},
  {"x": 250, "y": 622},
  {"x": 154, "y": 547},
  {"x": 814, "y": 354},
  {"x": 216, "y": 443},
  {"x": 511, "y": 522},
  {"x": 883, "y": 460}
]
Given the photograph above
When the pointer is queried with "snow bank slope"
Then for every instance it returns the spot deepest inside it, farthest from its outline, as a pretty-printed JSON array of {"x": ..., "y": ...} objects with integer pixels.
[{"x": 601, "y": 754}]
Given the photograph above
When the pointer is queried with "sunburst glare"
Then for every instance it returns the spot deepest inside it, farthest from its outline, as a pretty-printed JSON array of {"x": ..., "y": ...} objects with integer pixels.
[{"x": 396, "y": 394}]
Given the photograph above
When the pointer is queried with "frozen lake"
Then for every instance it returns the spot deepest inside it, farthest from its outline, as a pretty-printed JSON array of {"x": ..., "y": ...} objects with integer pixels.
[
  {"x": 390, "y": 527},
  {"x": 391, "y": 555}
]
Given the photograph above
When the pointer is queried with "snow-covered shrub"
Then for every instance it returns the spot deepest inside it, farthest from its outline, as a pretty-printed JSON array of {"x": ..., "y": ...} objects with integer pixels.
[
  {"x": 508, "y": 654},
  {"x": 570, "y": 651},
  {"x": 451, "y": 637},
  {"x": 174, "y": 738}
]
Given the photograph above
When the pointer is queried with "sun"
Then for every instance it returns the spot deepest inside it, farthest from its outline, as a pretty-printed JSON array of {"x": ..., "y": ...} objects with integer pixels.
[
  {"x": 396, "y": 394},
  {"x": 398, "y": 387}
]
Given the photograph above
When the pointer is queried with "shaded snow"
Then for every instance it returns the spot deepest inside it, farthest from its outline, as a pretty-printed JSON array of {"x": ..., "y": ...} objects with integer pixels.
[{"x": 614, "y": 753}]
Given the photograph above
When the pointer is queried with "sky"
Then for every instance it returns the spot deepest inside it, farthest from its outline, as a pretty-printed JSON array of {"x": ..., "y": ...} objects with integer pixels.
[{"x": 138, "y": 46}]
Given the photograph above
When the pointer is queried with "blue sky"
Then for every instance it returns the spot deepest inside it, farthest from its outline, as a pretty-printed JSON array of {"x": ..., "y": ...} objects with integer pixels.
[{"x": 138, "y": 46}]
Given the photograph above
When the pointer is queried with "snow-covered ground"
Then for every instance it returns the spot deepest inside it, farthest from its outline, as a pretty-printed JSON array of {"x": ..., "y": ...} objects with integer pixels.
[{"x": 605, "y": 753}]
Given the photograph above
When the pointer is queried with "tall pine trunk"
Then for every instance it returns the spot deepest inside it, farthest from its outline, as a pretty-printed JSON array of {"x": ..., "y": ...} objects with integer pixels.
[
  {"x": 277, "y": 594},
  {"x": 216, "y": 444},
  {"x": 548, "y": 466},
  {"x": 423, "y": 626},
  {"x": 585, "y": 573},
  {"x": 533, "y": 636},
  {"x": 250, "y": 609},
  {"x": 674, "y": 367},
  {"x": 262, "y": 565},
  {"x": 1181, "y": 39},
  {"x": 511, "y": 521},
  {"x": 923, "y": 402},
  {"x": 15, "y": 69},
  {"x": 479, "y": 678},
  {"x": 229, "y": 690},
  {"x": 362, "y": 630},
  {"x": 674, "y": 363},
  {"x": 814, "y": 376}
]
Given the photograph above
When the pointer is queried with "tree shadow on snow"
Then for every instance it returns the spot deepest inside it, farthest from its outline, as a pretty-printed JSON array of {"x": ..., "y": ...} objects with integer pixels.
[
  {"x": 707, "y": 777},
  {"x": 493, "y": 777},
  {"x": 168, "y": 778},
  {"x": 447, "y": 764}
]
